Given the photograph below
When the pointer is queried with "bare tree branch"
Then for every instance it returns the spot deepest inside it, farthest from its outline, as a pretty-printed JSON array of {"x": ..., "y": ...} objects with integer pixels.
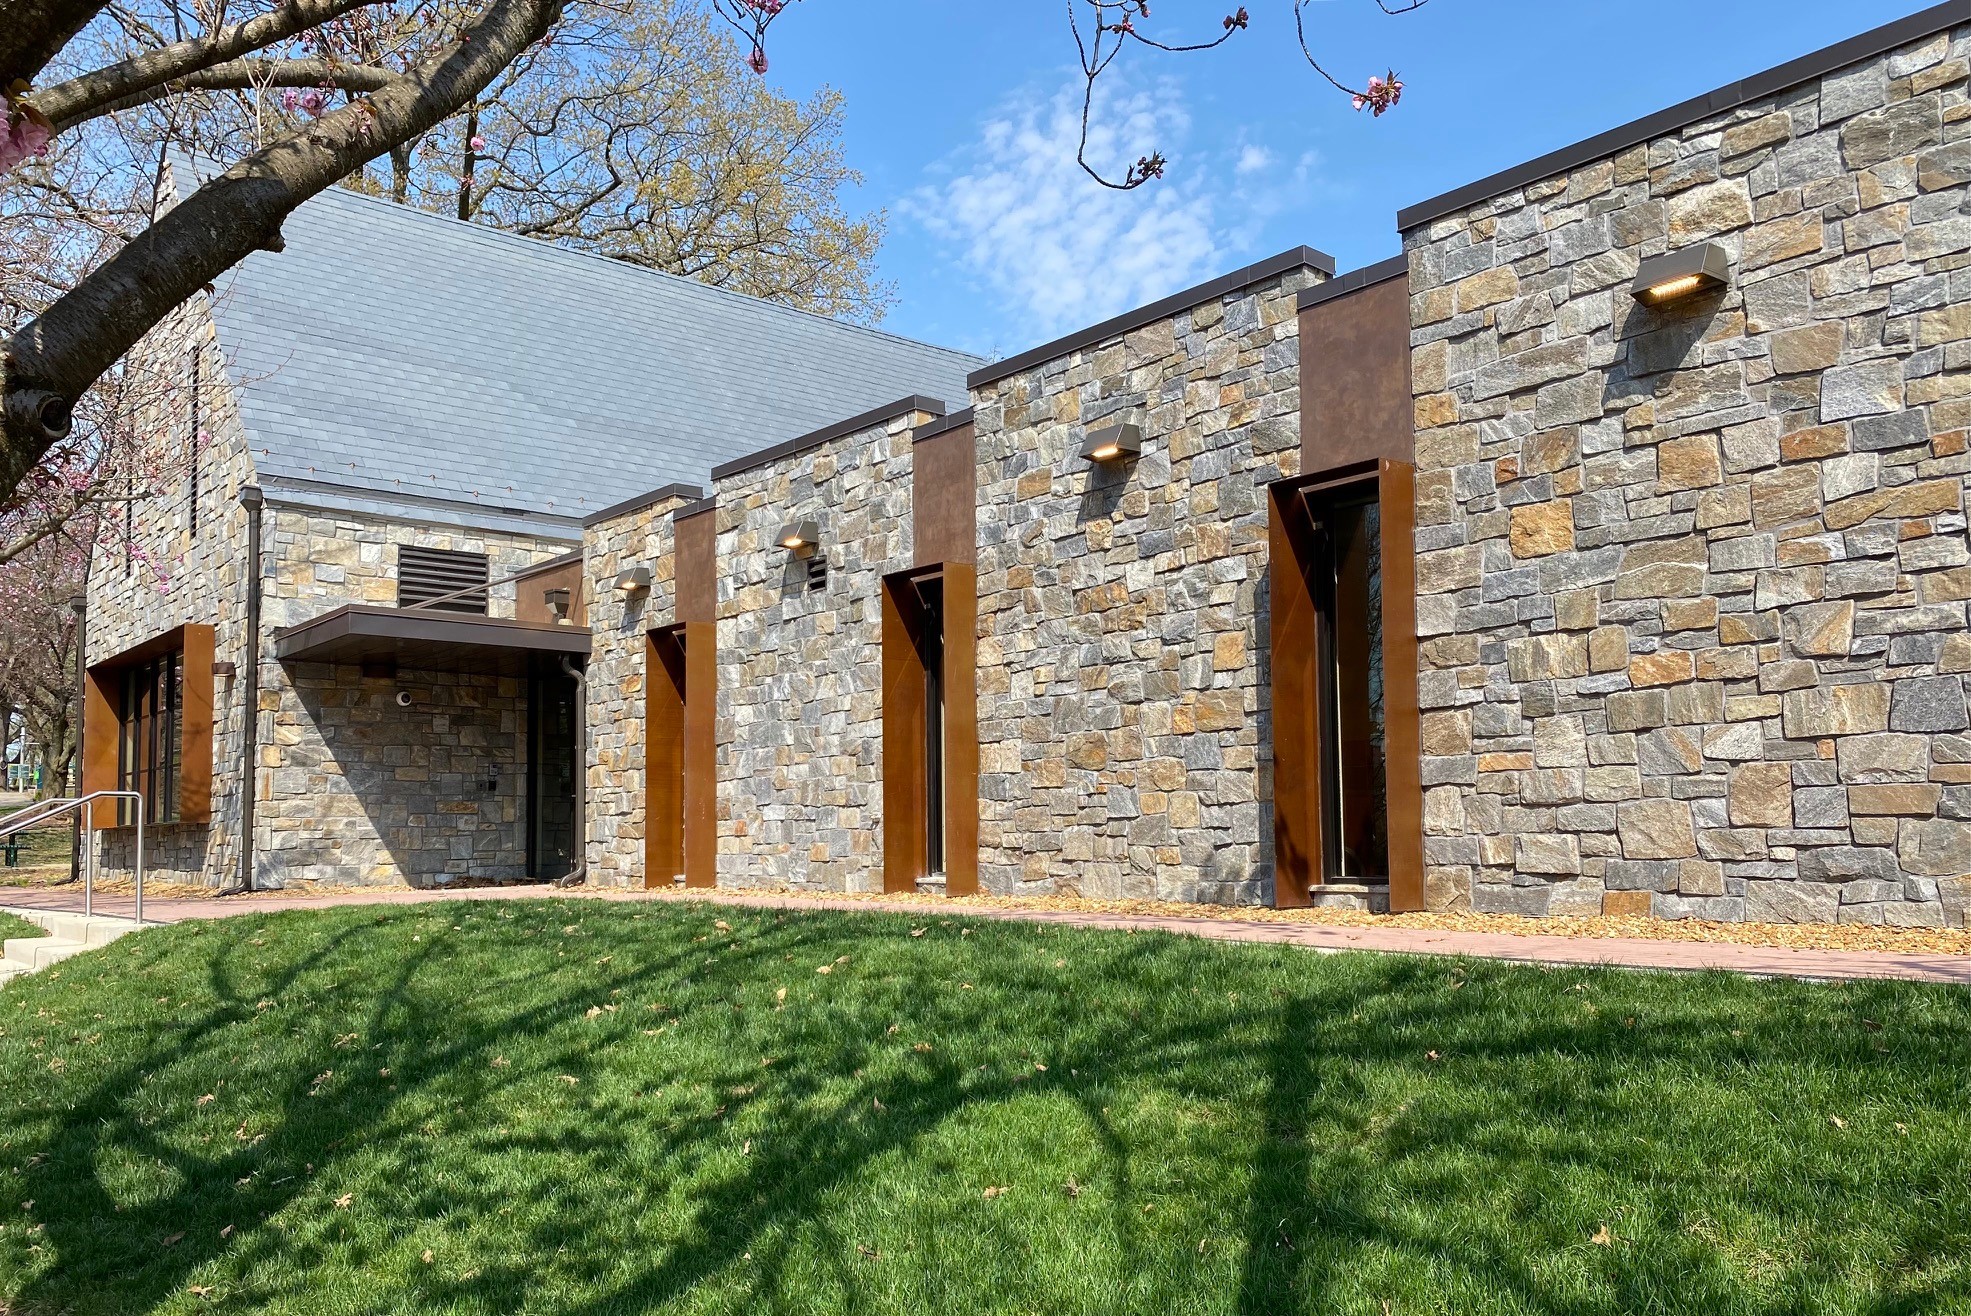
[
  {"x": 79, "y": 98},
  {"x": 244, "y": 74}
]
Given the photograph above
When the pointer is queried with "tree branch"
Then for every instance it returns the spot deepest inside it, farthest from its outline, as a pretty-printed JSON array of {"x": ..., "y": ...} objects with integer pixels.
[
  {"x": 247, "y": 74},
  {"x": 53, "y": 358},
  {"x": 32, "y": 32},
  {"x": 80, "y": 97}
]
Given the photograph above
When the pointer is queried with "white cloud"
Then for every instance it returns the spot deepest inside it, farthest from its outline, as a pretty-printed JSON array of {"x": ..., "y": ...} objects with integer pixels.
[
  {"x": 1063, "y": 250},
  {"x": 1253, "y": 159}
]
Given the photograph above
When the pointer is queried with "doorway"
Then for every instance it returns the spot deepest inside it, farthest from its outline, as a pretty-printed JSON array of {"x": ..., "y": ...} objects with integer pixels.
[{"x": 554, "y": 747}]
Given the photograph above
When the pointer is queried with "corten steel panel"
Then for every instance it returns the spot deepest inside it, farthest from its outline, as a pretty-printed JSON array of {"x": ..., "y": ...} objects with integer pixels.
[
  {"x": 665, "y": 698},
  {"x": 1355, "y": 402},
  {"x": 697, "y": 569},
  {"x": 530, "y": 593},
  {"x": 701, "y": 767},
  {"x": 100, "y": 734},
  {"x": 102, "y": 716},
  {"x": 961, "y": 728},
  {"x": 1402, "y": 724},
  {"x": 1292, "y": 629},
  {"x": 903, "y": 736},
  {"x": 944, "y": 485},
  {"x": 195, "y": 728}
]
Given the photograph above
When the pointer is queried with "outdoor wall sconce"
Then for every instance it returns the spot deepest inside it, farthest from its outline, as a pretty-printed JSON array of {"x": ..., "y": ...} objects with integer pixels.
[
  {"x": 635, "y": 580},
  {"x": 1678, "y": 274},
  {"x": 1113, "y": 441},
  {"x": 557, "y": 602},
  {"x": 801, "y": 538}
]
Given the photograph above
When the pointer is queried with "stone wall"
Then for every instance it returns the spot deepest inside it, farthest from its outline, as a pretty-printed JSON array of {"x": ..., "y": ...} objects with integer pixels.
[
  {"x": 1692, "y": 581},
  {"x": 1122, "y": 707},
  {"x": 800, "y": 669},
  {"x": 182, "y": 569},
  {"x": 616, "y": 676},
  {"x": 354, "y": 789}
]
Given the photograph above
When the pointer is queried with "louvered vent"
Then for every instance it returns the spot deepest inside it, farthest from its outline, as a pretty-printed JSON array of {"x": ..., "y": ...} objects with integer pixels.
[{"x": 424, "y": 574}]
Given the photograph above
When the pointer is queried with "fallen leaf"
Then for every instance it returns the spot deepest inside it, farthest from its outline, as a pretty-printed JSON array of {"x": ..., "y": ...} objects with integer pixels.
[
  {"x": 747, "y": 1149},
  {"x": 1901, "y": 1127},
  {"x": 723, "y": 926},
  {"x": 1837, "y": 1121},
  {"x": 869, "y": 1252},
  {"x": 1603, "y": 1238},
  {"x": 227, "y": 1232},
  {"x": 1042, "y": 1068},
  {"x": 570, "y": 1080},
  {"x": 1201, "y": 1246},
  {"x": 918, "y": 932},
  {"x": 780, "y": 995},
  {"x": 1071, "y": 1188},
  {"x": 997, "y": 1189},
  {"x": 922, "y": 1047},
  {"x": 499, "y": 1062},
  {"x": 595, "y": 1011},
  {"x": 877, "y": 1104},
  {"x": 206, "y": 1100},
  {"x": 428, "y": 1258},
  {"x": 966, "y": 986},
  {"x": 200, "y": 1290},
  {"x": 174, "y": 1239},
  {"x": 1060, "y": 964},
  {"x": 342, "y": 1202},
  {"x": 892, "y": 1030},
  {"x": 826, "y": 968},
  {"x": 1432, "y": 1055}
]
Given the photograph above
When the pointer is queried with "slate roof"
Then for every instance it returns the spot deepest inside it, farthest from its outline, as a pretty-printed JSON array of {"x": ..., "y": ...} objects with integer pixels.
[{"x": 391, "y": 351}]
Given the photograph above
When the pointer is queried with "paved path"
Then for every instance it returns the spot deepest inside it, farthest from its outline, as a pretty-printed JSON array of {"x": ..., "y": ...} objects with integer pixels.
[{"x": 1634, "y": 953}]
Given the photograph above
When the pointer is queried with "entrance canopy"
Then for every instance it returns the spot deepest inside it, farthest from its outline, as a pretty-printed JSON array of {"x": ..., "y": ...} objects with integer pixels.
[{"x": 427, "y": 641}]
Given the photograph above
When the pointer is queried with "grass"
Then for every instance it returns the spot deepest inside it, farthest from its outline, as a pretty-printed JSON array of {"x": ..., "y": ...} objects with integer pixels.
[
  {"x": 12, "y": 926},
  {"x": 572, "y": 1108}
]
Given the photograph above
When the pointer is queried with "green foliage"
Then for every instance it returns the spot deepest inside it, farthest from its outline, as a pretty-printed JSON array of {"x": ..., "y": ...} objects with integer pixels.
[
  {"x": 11, "y": 927},
  {"x": 562, "y": 1106}
]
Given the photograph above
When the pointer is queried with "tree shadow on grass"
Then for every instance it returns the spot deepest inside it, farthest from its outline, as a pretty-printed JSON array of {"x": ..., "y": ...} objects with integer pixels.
[{"x": 1360, "y": 1140}]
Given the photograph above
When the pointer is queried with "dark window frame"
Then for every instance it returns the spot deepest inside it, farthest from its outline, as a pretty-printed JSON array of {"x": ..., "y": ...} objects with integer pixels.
[{"x": 150, "y": 737}]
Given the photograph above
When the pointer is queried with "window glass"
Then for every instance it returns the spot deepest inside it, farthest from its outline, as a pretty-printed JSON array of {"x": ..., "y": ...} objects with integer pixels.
[
  {"x": 150, "y": 747},
  {"x": 1355, "y": 833}
]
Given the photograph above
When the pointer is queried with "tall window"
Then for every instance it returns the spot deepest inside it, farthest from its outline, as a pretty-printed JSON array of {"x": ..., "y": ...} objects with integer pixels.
[
  {"x": 150, "y": 747},
  {"x": 1352, "y": 712},
  {"x": 931, "y": 642}
]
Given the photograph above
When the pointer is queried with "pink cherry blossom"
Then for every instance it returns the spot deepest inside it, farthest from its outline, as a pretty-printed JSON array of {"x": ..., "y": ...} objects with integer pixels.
[
  {"x": 477, "y": 143},
  {"x": 757, "y": 61},
  {"x": 24, "y": 133}
]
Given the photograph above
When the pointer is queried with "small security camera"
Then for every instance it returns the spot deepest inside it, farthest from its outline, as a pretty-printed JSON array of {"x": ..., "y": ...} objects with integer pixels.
[{"x": 403, "y": 699}]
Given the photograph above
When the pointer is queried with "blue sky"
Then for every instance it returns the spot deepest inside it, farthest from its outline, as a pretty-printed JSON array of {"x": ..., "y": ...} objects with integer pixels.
[{"x": 961, "y": 118}]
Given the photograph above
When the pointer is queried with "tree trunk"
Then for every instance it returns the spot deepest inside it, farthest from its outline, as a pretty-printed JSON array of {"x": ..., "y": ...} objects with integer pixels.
[
  {"x": 400, "y": 172},
  {"x": 32, "y": 32},
  {"x": 471, "y": 159}
]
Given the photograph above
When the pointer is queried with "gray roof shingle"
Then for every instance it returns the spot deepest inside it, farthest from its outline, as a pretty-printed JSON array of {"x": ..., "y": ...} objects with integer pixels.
[{"x": 400, "y": 352}]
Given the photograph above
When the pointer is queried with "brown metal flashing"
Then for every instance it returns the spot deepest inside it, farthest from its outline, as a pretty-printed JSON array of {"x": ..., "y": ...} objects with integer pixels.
[
  {"x": 696, "y": 572},
  {"x": 814, "y": 439},
  {"x": 531, "y": 587},
  {"x": 699, "y": 508},
  {"x": 552, "y": 564},
  {"x": 1355, "y": 399},
  {"x": 1841, "y": 54},
  {"x": 1402, "y": 705},
  {"x": 688, "y": 492},
  {"x": 1223, "y": 286},
  {"x": 1342, "y": 285},
  {"x": 906, "y": 772},
  {"x": 425, "y": 640},
  {"x": 961, "y": 729},
  {"x": 940, "y": 425},
  {"x": 944, "y": 497}
]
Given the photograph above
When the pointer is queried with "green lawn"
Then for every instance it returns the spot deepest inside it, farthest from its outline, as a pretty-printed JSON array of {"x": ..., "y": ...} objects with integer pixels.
[
  {"x": 42, "y": 848},
  {"x": 11, "y": 926},
  {"x": 570, "y": 1107}
]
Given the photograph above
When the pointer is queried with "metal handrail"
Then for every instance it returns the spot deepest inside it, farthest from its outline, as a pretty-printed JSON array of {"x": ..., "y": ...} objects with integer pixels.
[{"x": 36, "y": 814}]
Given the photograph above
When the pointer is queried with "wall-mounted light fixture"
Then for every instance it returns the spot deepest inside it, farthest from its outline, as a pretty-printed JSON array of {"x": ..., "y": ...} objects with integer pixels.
[
  {"x": 634, "y": 580},
  {"x": 557, "y": 602},
  {"x": 1679, "y": 274},
  {"x": 800, "y": 538},
  {"x": 1113, "y": 442}
]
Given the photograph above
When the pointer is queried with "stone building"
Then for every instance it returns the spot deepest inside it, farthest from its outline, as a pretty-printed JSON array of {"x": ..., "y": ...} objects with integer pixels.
[{"x": 1604, "y": 551}]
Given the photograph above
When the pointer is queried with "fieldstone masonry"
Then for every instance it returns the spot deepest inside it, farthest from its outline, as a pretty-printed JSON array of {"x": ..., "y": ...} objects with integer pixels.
[
  {"x": 799, "y": 710},
  {"x": 1122, "y": 709},
  {"x": 1692, "y": 581},
  {"x": 615, "y": 680}
]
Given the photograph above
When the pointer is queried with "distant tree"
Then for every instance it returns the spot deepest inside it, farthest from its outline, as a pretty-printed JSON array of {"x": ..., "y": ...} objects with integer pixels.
[
  {"x": 37, "y": 650},
  {"x": 369, "y": 79}
]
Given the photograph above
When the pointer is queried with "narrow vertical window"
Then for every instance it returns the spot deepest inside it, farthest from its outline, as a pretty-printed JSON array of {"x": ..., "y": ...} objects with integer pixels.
[
  {"x": 1351, "y": 710},
  {"x": 192, "y": 454},
  {"x": 930, "y": 593},
  {"x": 150, "y": 748}
]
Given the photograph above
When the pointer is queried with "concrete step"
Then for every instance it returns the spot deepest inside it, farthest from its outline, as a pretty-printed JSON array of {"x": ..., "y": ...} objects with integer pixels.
[{"x": 68, "y": 935}]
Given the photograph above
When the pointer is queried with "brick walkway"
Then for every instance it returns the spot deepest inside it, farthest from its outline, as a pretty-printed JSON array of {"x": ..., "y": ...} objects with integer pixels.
[{"x": 1631, "y": 953}]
